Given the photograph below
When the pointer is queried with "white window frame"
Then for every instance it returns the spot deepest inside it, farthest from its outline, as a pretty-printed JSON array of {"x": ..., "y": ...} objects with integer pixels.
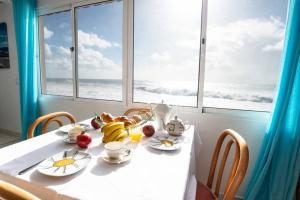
[{"x": 127, "y": 61}]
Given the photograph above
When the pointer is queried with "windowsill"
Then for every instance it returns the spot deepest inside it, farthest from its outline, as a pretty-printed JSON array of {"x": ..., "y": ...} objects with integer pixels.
[
  {"x": 79, "y": 99},
  {"x": 227, "y": 113},
  {"x": 242, "y": 114}
]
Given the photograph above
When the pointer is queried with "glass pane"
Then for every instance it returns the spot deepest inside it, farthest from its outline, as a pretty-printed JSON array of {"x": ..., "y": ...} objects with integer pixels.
[
  {"x": 58, "y": 59},
  {"x": 166, "y": 51},
  {"x": 244, "y": 45},
  {"x": 99, "y": 30}
]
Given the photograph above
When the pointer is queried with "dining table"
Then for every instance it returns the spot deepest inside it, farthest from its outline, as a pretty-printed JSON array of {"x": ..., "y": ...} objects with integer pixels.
[{"x": 149, "y": 174}]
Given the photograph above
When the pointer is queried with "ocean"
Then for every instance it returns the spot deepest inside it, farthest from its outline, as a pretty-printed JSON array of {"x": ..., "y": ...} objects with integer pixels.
[{"x": 183, "y": 93}]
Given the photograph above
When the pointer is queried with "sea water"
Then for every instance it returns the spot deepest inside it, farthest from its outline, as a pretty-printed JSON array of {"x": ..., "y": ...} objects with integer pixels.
[{"x": 184, "y": 93}]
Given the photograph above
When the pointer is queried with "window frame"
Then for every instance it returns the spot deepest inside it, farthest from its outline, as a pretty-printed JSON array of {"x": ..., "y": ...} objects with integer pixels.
[
  {"x": 41, "y": 46},
  {"x": 128, "y": 61}
]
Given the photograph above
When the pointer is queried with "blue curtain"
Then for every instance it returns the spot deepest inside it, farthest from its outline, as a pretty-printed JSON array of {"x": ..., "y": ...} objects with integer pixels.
[
  {"x": 26, "y": 32},
  {"x": 278, "y": 165}
]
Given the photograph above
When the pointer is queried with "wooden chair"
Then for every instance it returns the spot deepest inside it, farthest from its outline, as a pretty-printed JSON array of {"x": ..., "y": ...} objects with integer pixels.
[
  {"x": 52, "y": 117},
  {"x": 237, "y": 172},
  {"x": 11, "y": 192}
]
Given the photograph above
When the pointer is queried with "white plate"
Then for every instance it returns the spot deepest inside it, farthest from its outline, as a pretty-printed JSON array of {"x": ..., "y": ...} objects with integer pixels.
[
  {"x": 64, "y": 163},
  {"x": 123, "y": 158},
  {"x": 66, "y": 128},
  {"x": 165, "y": 142}
]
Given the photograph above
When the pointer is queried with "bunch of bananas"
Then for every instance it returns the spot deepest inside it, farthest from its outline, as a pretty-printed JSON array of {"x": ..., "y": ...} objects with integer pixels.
[{"x": 113, "y": 131}]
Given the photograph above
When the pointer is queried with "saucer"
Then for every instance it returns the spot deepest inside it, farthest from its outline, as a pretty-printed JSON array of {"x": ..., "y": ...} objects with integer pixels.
[
  {"x": 126, "y": 156},
  {"x": 67, "y": 140},
  {"x": 66, "y": 128},
  {"x": 165, "y": 142}
]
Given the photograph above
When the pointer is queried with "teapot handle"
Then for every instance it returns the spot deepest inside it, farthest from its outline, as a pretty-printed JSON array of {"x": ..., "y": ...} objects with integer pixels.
[{"x": 187, "y": 125}]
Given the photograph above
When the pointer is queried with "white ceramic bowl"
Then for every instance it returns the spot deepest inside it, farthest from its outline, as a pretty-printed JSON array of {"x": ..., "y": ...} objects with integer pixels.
[
  {"x": 114, "y": 149},
  {"x": 74, "y": 132}
]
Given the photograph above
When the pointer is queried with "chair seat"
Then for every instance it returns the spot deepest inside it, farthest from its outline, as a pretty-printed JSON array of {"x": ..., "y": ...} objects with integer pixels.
[{"x": 203, "y": 192}]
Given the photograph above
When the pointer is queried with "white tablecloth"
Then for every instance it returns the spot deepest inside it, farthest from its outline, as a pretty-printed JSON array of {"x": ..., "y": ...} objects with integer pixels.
[{"x": 149, "y": 175}]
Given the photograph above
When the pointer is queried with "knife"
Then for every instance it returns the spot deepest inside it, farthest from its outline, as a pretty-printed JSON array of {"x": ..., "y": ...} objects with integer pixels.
[{"x": 28, "y": 168}]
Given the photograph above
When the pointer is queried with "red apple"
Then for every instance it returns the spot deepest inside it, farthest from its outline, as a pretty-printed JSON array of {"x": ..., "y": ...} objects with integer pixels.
[
  {"x": 148, "y": 130},
  {"x": 96, "y": 122},
  {"x": 83, "y": 140}
]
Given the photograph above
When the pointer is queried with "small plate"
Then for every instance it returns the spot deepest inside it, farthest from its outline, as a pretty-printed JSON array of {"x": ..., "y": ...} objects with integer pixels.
[
  {"x": 165, "y": 142},
  {"x": 65, "y": 163},
  {"x": 67, "y": 140},
  {"x": 66, "y": 128},
  {"x": 123, "y": 158}
]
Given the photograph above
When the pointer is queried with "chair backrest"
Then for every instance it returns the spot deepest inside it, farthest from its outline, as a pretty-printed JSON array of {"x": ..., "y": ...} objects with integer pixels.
[
  {"x": 52, "y": 117},
  {"x": 238, "y": 168},
  {"x": 9, "y": 191},
  {"x": 139, "y": 111}
]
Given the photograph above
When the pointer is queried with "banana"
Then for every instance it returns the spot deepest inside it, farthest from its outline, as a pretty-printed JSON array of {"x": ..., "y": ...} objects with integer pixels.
[
  {"x": 110, "y": 127},
  {"x": 112, "y": 131},
  {"x": 104, "y": 139},
  {"x": 123, "y": 135},
  {"x": 115, "y": 134},
  {"x": 122, "y": 138}
]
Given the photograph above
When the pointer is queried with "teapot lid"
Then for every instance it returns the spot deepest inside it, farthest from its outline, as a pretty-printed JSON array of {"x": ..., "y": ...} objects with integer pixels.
[
  {"x": 162, "y": 105},
  {"x": 176, "y": 120}
]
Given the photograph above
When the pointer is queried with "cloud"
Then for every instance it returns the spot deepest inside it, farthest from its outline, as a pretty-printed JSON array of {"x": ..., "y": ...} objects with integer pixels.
[
  {"x": 92, "y": 63},
  {"x": 237, "y": 49},
  {"x": 158, "y": 57},
  {"x": 48, "y": 51},
  {"x": 64, "y": 25},
  {"x": 92, "y": 40},
  {"x": 243, "y": 51},
  {"x": 91, "y": 59},
  {"x": 193, "y": 44},
  {"x": 274, "y": 47},
  {"x": 171, "y": 69},
  {"x": 115, "y": 44},
  {"x": 58, "y": 61},
  {"x": 47, "y": 33}
]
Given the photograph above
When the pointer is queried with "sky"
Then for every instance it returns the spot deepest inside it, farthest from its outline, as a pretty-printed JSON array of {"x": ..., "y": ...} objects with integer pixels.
[{"x": 244, "y": 41}]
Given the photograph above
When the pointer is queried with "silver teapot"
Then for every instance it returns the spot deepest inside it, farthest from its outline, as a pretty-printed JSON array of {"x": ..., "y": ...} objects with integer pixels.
[{"x": 176, "y": 127}]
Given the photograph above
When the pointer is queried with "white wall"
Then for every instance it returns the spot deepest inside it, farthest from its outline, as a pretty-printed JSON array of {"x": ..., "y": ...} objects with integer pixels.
[
  {"x": 9, "y": 89},
  {"x": 208, "y": 126}
]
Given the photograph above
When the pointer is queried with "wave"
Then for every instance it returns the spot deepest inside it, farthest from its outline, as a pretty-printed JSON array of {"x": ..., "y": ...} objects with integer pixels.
[
  {"x": 207, "y": 94},
  {"x": 162, "y": 90},
  {"x": 238, "y": 97},
  {"x": 226, "y": 92}
]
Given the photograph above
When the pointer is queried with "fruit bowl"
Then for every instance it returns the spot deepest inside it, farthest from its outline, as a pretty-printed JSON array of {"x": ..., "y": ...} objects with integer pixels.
[{"x": 118, "y": 128}]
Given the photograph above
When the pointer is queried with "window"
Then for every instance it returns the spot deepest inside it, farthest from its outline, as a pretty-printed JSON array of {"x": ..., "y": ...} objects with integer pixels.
[
  {"x": 244, "y": 44},
  {"x": 194, "y": 53},
  {"x": 57, "y": 37},
  {"x": 166, "y": 51},
  {"x": 99, "y": 33}
]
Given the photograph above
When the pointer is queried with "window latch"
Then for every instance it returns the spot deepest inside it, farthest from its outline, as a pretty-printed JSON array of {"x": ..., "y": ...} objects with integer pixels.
[
  {"x": 203, "y": 41},
  {"x": 72, "y": 49}
]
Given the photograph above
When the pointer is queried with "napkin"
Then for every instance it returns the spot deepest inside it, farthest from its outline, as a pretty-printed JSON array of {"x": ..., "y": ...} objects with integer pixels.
[
  {"x": 16, "y": 165},
  {"x": 37, "y": 190}
]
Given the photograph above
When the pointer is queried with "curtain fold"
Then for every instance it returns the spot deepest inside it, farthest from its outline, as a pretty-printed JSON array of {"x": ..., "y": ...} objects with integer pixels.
[
  {"x": 278, "y": 165},
  {"x": 26, "y": 32}
]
